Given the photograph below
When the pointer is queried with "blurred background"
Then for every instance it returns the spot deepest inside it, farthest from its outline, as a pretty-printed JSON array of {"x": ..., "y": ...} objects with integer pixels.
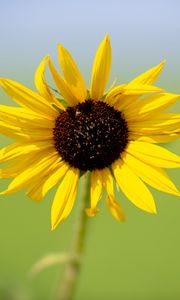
[{"x": 137, "y": 260}]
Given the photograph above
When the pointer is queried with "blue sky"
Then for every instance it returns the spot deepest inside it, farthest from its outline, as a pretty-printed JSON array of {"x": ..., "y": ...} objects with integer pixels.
[{"x": 142, "y": 33}]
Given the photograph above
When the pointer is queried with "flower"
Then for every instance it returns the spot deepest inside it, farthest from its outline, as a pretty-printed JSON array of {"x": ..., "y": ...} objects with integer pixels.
[{"x": 113, "y": 135}]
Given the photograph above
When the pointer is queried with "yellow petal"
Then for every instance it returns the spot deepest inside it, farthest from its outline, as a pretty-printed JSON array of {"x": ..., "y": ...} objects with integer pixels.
[
  {"x": 95, "y": 191},
  {"x": 108, "y": 181},
  {"x": 12, "y": 131},
  {"x": 13, "y": 151},
  {"x": 28, "y": 98},
  {"x": 160, "y": 122},
  {"x": 96, "y": 187},
  {"x": 154, "y": 176},
  {"x": 149, "y": 106},
  {"x": 35, "y": 190},
  {"x": 133, "y": 187},
  {"x": 149, "y": 76},
  {"x": 40, "y": 166},
  {"x": 153, "y": 154},
  {"x": 140, "y": 89},
  {"x": 72, "y": 74},
  {"x": 55, "y": 177},
  {"x": 42, "y": 86},
  {"x": 123, "y": 101},
  {"x": 38, "y": 190},
  {"x": 156, "y": 138},
  {"x": 132, "y": 89},
  {"x": 65, "y": 197},
  {"x": 18, "y": 116},
  {"x": 140, "y": 130},
  {"x": 101, "y": 69},
  {"x": 142, "y": 85},
  {"x": 113, "y": 205},
  {"x": 92, "y": 212},
  {"x": 152, "y": 131},
  {"x": 116, "y": 97},
  {"x": 113, "y": 93},
  {"x": 123, "y": 95},
  {"x": 62, "y": 85},
  {"x": 115, "y": 209},
  {"x": 13, "y": 169},
  {"x": 165, "y": 116},
  {"x": 24, "y": 133},
  {"x": 17, "y": 167}
]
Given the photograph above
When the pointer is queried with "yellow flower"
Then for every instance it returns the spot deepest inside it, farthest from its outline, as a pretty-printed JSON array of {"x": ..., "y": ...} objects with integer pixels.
[{"x": 113, "y": 135}]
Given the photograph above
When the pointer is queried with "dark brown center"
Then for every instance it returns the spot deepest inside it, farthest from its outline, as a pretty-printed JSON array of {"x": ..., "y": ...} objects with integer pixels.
[{"x": 90, "y": 135}]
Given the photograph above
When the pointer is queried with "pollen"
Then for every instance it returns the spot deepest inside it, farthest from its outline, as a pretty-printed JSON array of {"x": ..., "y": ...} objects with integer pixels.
[{"x": 90, "y": 135}]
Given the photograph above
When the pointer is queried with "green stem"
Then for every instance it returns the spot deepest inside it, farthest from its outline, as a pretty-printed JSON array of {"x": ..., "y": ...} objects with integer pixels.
[{"x": 73, "y": 266}]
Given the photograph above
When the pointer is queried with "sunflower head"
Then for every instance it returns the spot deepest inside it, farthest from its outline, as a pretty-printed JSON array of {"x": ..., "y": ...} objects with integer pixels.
[
  {"x": 113, "y": 134},
  {"x": 90, "y": 135}
]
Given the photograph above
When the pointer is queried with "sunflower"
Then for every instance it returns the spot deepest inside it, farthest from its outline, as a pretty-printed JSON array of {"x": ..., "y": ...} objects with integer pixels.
[{"x": 112, "y": 135}]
